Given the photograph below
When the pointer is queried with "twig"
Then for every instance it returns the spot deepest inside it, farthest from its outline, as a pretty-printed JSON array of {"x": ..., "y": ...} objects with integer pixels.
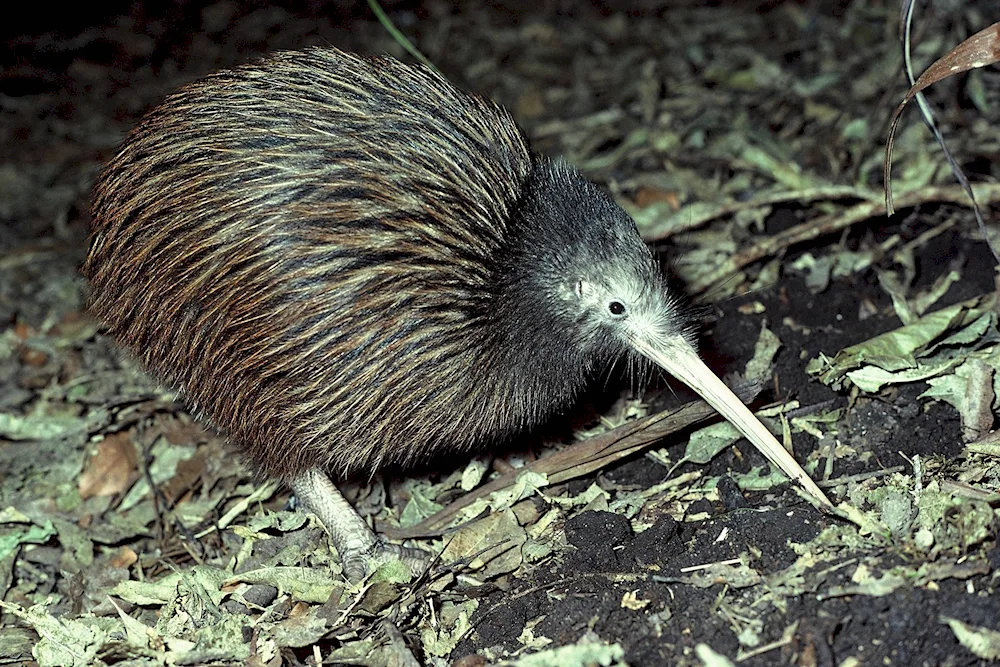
[
  {"x": 827, "y": 224},
  {"x": 686, "y": 219},
  {"x": 577, "y": 460},
  {"x": 860, "y": 477}
]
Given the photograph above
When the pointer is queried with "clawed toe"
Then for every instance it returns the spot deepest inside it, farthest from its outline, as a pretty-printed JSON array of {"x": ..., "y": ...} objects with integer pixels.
[{"x": 358, "y": 564}]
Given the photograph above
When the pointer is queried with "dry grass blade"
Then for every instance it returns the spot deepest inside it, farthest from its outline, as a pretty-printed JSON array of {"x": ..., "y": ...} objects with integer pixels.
[
  {"x": 980, "y": 50},
  {"x": 577, "y": 460},
  {"x": 398, "y": 35}
]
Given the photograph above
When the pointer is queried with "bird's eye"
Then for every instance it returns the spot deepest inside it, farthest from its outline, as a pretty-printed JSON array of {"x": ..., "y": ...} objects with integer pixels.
[
  {"x": 616, "y": 308},
  {"x": 579, "y": 288}
]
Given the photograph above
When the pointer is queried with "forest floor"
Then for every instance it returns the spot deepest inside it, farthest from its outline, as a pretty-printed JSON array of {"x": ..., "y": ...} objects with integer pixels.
[{"x": 747, "y": 141}]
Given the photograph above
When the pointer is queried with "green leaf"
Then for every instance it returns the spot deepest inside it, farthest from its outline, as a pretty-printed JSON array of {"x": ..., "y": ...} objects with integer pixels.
[
  {"x": 308, "y": 584},
  {"x": 706, "y": 443},
  {"x": 900, "y": 350},
  {"x": 983, "y": 642}
]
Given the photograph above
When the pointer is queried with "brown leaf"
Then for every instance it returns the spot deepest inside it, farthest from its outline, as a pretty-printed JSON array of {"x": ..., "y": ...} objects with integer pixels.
[
  {"x": 32, "y": 357},
  {"x": 189, "y": 471},
  {"x": 646, "y": 196},
  {"x": 180, "y": 430},
  {"x": 75, "y": 327},
  {"x": 980, "y": 50},
  {"x": 111, "y": 470},
  {"x": 124, "y": 557},
  {"x": 23, "y": 330}
]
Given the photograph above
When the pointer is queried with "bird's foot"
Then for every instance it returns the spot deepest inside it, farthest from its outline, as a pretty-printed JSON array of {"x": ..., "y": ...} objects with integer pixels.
[
  {"x": 361, "y": 550},
  {"x": 360, "y": 563}
]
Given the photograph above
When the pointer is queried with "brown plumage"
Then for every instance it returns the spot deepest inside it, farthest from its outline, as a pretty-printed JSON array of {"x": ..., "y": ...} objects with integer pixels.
[
  {"x": 346, "y": 262},
  {"x": 270, "y": 239}
]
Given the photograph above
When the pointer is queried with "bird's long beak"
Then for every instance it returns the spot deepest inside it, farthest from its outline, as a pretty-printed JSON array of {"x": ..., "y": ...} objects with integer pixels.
[{"x": 680, "y": 360}]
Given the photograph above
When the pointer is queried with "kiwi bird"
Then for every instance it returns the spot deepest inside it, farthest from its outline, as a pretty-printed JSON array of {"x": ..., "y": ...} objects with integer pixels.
[{"x": 346, "y": 262}]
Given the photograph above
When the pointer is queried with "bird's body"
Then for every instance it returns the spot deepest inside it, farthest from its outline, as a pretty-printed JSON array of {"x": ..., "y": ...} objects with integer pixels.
[
  {"x": 346, "y": 262},
  {"x": 334, "y": 266}
]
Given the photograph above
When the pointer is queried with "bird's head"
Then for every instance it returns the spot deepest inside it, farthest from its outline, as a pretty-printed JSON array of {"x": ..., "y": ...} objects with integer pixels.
[{"x": 589, "y": 288}]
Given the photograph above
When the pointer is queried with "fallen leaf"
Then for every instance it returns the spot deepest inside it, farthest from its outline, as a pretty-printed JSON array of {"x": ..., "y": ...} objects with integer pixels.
[
  {"x": 983, "y": 642},
  {"x": 111, "y": 470}
]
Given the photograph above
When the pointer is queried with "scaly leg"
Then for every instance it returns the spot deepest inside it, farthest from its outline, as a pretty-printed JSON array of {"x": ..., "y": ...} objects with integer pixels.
[{"x": 360, "y": 549}]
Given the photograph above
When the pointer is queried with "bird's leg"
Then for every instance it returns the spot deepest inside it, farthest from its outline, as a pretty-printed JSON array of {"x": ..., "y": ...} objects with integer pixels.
[{"x": 360, "y": 549}]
